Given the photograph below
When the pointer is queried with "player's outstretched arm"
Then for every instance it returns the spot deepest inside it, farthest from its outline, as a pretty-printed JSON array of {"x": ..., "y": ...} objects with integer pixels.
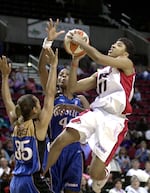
[
  {"x": 8, "y": 102},
  {"x": 123, "y": 63},
  {"x": 52, "y": 34},
  {"x": 50, "y": 90}
]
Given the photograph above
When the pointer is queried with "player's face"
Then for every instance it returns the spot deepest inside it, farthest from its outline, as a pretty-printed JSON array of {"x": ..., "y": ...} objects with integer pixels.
[
  {"x": 62, "y": 79},
  {"x": 117, "y": 49}
]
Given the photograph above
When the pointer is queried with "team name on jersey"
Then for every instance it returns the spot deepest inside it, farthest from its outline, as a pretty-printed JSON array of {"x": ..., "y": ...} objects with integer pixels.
[{"x": 72, "y": 113}]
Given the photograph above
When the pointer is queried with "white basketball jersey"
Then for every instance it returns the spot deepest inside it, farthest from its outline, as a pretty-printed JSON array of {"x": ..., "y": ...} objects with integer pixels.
[{"x": 115, "y": 90}]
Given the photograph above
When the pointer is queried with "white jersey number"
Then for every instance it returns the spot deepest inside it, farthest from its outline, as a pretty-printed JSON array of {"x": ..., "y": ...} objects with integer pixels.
[
  {"x": 23, "y": 153},
  {"x": 63, "y": 122}
]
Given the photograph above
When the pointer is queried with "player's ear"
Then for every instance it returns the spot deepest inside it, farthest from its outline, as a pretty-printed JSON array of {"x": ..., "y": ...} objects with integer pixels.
[
  {"x": 34, "y": 110},
  {"x": 126, "y": 54}
]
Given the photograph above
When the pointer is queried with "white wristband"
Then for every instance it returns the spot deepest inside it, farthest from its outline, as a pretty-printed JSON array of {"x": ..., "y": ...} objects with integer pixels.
[{"x": 46, "y": 43}]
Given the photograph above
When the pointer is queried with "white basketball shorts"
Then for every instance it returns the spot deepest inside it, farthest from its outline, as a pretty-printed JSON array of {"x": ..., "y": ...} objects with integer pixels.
[{"x": 103, "y": 131}]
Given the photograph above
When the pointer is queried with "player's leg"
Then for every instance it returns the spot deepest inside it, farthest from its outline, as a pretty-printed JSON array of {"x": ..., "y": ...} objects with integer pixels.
[
  {"x": 99, "y": 174},
  {"x": 23, "y": 184},
  {"x": 73, "y": 172},
  {"x": 97, "y": 168},
  {"x": 65, "y": 138},
  {"x": 43, "y": 185}
]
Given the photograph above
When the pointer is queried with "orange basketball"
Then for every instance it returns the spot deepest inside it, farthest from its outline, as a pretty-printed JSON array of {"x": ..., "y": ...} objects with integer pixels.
[{"x": 72, "y": 48}]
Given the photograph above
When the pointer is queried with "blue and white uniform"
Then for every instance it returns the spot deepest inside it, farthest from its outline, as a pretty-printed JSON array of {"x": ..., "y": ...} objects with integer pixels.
[
  {"x": 26, "y": 158},
  {"x": 67, "y": 172}
]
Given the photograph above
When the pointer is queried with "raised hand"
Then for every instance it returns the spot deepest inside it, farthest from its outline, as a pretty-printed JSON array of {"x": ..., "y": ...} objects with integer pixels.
[
  {"x": 51, "y": 30},
  {"x": 52, "y": 58},
  {"x": 5, "y": 67}
]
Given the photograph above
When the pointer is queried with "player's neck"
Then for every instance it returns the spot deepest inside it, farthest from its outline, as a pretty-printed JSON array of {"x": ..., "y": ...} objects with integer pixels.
[{"x": 68, "y": 94}]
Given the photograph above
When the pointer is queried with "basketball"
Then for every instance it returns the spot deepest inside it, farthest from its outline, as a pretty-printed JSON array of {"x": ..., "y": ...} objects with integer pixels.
[{"x": 72, "y": 48}]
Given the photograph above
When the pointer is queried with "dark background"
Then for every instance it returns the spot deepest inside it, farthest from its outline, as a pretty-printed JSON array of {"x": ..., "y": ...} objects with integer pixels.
[
  {"x": 138, "y": 10},
  {"x": 87, "y": 10}
]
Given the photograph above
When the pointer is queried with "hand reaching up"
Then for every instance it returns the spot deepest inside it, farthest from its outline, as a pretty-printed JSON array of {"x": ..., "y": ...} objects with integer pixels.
[
  {"x": 52, "y": 34},
  {"x": 52, "y": 58},
  {"x": 5, "y": 67}
]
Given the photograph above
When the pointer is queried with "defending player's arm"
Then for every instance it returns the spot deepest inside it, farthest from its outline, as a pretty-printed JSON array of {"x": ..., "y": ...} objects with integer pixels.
[
  {"x": 8, "y": 102},
  {"x": 85, "y": 103},
  {"x": 51, "y": 36},
  {"x": 50, "y": 90},
  {"x": 43, "y": 72}
]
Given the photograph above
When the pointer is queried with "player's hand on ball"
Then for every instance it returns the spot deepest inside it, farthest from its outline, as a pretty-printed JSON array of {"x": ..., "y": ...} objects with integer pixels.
[
  {"x": 72, "y": 42},
  {"x": 74, "y": 37}
]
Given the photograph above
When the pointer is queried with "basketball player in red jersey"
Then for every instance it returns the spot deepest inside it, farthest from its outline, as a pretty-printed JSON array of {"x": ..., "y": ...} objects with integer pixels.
[{"x": 105, "y": 125}]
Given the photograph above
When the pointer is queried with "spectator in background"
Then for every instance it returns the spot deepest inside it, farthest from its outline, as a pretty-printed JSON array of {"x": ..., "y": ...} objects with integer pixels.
[
  {"x": 142, "y": 124},
  {"x": 132, "y": 150},
  {"x": 8, "y": 146},
  {"x": 69, "y": 18},
  {"x": 123, "y": 160},
  {"x": 147, "y": 185},
  {"x": 20, "y": 80},
  {"x": 4, "y": 167},
  {"x": 12, "y": 80},
  {"x": 147, "y": 136},
  {"x": 136, "y": 136},
  {"x": 137, "y": 94},
  {"x": 136, "y": 98},
  {"x": 147, "y": 167},
  {"x": 142, "y": 154},
  {"x": 115, "y": 168},
  {"x": 79, "y": 21},
  {"x": 127, "y": 142},
  {"x": 145, "y": 75},
  {"x": 135, "y": 170},
  {"x": 3, "y": 153},
  {"x": 5, "y": 174},
  {"x": 3, "y": 138},
  {"x": 117, "y": 187},
  {"x": 30, "y": 86},
  {"x": 4, "y": 123},
  {"x": 134, "y": 186}
]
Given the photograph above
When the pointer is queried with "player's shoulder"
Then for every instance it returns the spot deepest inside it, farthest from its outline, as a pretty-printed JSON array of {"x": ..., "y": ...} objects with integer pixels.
[
  {"x": 94, "y": 75},
  {"x": 59, "y": 97}
]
